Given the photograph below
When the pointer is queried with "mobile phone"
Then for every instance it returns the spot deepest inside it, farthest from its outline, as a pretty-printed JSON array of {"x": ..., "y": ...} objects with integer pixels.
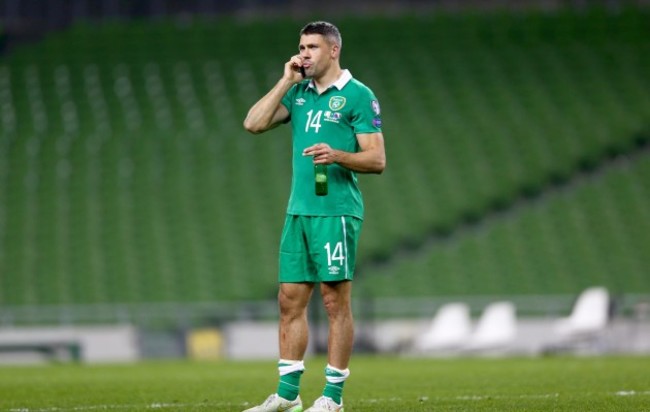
[{"x": 302, "y": 72}]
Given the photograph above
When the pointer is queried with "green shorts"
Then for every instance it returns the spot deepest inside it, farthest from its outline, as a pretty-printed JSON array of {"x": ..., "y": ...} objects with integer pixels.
[{"x": 318, "y": 249}]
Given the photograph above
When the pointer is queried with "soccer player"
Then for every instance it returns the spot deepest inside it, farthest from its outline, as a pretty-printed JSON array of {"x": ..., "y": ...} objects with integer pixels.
[{"x": 336, "y": 122}]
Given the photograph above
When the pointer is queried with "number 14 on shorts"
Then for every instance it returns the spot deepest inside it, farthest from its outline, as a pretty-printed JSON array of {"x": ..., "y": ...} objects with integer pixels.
[{"x": 335, "y": 254}]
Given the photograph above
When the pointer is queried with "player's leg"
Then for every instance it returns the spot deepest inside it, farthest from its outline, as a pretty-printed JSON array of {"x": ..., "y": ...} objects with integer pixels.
[
  {"x": 293, "y": 297},
  {"x": 294, "y": 331},
  {"x": 293, "y": 336},
  {"x": 336, "y": 298},
  {"x": 338, "y": 239}
]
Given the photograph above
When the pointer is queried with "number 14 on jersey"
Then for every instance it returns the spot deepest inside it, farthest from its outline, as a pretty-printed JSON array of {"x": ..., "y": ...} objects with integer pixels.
[{"x": 313, "y": 121}]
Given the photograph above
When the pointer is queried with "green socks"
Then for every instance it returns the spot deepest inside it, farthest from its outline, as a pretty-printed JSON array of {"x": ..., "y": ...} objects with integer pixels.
[
  {"x": 335, "y": 380},
  {"x": 290, "y": 373}
]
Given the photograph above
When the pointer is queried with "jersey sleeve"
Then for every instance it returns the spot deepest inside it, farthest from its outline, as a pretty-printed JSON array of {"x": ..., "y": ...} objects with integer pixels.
[{"x": 366, "y": 116}]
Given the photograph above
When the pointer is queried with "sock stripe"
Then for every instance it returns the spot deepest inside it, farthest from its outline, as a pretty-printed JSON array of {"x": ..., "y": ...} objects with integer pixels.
[{"x": 289, "y": 384}]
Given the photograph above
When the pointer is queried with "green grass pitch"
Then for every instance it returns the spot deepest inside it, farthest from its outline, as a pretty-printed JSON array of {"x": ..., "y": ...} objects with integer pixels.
[{"x": 376, "y": 384}]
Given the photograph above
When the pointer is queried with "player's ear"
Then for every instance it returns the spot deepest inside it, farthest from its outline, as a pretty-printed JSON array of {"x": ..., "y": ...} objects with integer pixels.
[{"x": 334, "y": 53}]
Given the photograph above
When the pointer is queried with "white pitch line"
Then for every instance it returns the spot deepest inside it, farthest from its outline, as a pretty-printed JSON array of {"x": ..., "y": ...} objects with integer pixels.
[
  {"x": 529, "y": 396},
  {"x": 631, "y": 393},
  {"x": 487, "y": 397},
  {"x": 154, "y": 406},
  {"x": 466, "y": 398}
]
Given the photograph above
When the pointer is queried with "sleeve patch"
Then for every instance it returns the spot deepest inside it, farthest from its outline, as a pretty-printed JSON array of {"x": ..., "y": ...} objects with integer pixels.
[{"x": 375, "y": 107}]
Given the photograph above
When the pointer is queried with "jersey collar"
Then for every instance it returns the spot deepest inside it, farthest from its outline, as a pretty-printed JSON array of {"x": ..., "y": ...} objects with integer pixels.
[{"x": 345, "y": 77}]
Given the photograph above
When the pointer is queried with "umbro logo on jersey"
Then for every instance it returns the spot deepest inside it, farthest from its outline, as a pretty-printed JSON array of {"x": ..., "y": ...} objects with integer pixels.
[{"x": 300, "y": 101}]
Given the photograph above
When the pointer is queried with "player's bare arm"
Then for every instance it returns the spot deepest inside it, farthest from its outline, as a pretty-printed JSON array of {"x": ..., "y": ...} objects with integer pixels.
[
  {"x": 269, "y": 112},
  {"x": 370, "y": 159}
]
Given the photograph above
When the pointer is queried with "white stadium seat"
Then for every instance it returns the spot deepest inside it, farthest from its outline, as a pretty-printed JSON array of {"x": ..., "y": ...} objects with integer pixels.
[
  {"x": 496, "y": 328},
  {"x": 449, "y": 329}
]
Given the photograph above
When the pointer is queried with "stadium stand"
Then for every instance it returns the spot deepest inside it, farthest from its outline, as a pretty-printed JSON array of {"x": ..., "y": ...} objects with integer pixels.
[
  {"x": 495, "y": 330},
  {"x": 517, "y": 158},
  {"x": 449, "y": 330},
  {"x": 589, "y": 316}
]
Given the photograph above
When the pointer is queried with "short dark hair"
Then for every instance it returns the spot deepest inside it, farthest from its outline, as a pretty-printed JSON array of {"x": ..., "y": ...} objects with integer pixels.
[{"x": 325, "y": 29}]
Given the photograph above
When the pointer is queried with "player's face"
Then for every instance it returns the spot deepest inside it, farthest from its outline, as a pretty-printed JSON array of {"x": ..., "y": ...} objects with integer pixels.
[{"x": 317, "y": 54}]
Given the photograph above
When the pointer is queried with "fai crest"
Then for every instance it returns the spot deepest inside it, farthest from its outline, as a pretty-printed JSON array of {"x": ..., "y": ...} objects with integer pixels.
[{"x": 337, "y": 103}]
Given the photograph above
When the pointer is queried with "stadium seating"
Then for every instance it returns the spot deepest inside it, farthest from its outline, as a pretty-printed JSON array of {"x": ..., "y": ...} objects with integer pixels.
[
  {"x": 590, "y": 315},
  {"x": 584, "y": 330},
  {"x": 449, "y": 330},
  {"x": 495, "y": 330},
  {"x": 517, "y": 158}
]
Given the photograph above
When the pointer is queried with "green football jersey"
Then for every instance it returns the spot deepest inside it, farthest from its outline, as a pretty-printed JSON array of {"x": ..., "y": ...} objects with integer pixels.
[{"x": 334, "y": 117}]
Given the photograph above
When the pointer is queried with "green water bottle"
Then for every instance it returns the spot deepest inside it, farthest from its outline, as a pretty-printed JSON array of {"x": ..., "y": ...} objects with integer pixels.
[{"x": 320, "y": 177}]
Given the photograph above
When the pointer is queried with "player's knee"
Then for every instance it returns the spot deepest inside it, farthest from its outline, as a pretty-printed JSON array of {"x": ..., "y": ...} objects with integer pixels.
[
  {"x": 336, "y": 305},
  {"x": 291, "y": 305}
]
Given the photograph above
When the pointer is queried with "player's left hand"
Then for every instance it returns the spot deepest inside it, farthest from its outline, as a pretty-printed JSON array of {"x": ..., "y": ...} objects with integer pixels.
[{"x": 322, "y": 153}]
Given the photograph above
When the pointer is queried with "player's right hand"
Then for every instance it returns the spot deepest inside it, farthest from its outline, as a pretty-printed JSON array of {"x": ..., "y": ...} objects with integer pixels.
[{"x": 292, "y": 69}]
